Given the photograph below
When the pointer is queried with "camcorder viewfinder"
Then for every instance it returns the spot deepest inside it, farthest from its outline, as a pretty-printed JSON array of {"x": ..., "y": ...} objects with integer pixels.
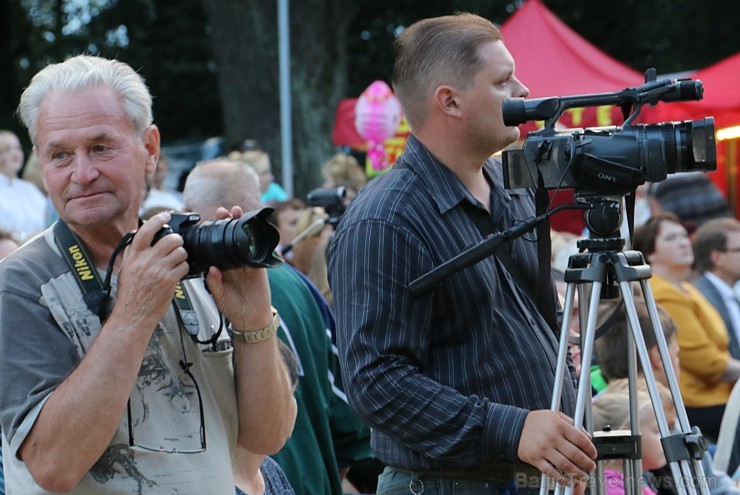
[{"x": 610, "y": 160}]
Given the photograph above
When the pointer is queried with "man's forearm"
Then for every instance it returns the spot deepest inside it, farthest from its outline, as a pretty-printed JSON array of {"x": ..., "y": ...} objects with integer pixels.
[
  {"x": 265, "y": 401},
  {"x": 80, "y": 417}
]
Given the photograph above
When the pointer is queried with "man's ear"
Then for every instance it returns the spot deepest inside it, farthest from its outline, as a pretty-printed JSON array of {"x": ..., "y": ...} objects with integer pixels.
[
  {"x": 41, "y": 169},
  {"x": 447, "y": 101},
  {"x": 151, "y": 143}
]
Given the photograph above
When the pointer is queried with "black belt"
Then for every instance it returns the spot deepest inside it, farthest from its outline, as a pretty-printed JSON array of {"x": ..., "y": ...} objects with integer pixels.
[{"x": 497, "y": 472}]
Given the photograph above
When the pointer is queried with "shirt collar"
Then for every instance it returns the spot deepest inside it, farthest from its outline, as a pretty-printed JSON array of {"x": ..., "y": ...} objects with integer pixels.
[{"x": 444, "y": 186}]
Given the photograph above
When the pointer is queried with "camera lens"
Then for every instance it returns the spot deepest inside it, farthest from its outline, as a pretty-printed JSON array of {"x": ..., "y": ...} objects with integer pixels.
[
  {"x": 673, "y": 147},
  {"x": 231, "y": 243}
]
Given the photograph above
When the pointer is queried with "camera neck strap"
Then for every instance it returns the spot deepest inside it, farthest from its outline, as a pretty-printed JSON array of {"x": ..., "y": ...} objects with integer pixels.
[
  {"x": 96, "y": 293},
  {"x": 545, "y": 293}
]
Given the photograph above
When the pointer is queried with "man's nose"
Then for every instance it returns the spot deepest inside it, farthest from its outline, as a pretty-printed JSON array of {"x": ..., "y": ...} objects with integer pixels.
[
  {"x": 522, "y": 90},
  {"x": 84, "y": 170}
]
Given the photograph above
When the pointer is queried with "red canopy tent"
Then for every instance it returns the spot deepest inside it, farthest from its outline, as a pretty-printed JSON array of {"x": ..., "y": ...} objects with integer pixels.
[{"x": 553, "y": 60}]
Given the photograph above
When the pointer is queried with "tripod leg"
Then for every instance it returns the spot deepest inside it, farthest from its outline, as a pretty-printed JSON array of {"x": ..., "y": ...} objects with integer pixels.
[
  {"x": 561, "y": 366},
  {"x": 633, "y": 467},
  {"x": 680, "y": 470},
  {"x": 584, "y": 384},
  {"x": 688, "y": 480}
]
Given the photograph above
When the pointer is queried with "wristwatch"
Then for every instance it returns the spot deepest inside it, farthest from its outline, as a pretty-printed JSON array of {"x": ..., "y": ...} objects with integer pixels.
[{"x": 259, "y": 335}]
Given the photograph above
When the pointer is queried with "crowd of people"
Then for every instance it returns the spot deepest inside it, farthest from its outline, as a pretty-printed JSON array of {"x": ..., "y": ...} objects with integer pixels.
[{"x": 319, "y": 369}]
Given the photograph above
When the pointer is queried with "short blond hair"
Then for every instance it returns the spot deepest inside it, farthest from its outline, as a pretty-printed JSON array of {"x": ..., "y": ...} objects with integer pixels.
[
  {"x": 612, "y": 410},
  {"x": 437, "y": 51}
]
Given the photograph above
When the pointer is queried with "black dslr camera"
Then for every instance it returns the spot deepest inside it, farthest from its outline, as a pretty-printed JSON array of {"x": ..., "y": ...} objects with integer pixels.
[
  {"x": 331, "y": 200},
  {"x": 229, "y": 243},
  {"x": 608, "y": 160}
]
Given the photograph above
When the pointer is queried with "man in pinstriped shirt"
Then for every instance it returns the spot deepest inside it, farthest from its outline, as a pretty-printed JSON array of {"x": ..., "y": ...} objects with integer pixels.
[{"x": 456, "y": 384}]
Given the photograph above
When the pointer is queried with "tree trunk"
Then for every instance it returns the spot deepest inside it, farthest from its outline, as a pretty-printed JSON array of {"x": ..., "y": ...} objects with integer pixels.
[{"x": 245, "y": 42}]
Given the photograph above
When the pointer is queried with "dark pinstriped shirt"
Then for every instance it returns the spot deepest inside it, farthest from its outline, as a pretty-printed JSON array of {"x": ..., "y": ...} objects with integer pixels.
[{"x": 446, "y": 379}]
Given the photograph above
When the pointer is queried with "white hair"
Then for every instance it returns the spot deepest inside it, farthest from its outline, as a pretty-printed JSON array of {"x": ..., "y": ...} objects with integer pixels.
[
  {"x": 83, "y": 72},
  {"x": 221, "y": 182}
]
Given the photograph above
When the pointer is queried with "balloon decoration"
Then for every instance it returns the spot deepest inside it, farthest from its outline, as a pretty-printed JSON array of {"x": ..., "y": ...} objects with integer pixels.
[{"x": 377, "y": 116}]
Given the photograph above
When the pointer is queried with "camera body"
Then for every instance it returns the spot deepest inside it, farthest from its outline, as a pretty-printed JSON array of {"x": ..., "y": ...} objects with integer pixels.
[
  {"x": 611, "y": 160},
  {"x": 228, "y": 243},
  {"x": 332, "y": 200},
  {"x": 608, "y": 160}
]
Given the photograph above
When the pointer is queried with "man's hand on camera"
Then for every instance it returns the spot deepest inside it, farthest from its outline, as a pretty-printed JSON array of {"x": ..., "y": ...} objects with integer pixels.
[
  {"x": 149, "y": 273},
  {"x": 551, "y": 443},
  {"x": 241, "y": 294}
]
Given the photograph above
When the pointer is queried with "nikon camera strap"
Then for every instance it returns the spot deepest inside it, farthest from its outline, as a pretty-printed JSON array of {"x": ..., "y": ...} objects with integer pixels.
[{"x": 94, "y": 291}]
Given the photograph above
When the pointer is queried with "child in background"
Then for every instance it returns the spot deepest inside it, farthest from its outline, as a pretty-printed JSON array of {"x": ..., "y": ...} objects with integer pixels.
[{"x": 611, "y": 411}]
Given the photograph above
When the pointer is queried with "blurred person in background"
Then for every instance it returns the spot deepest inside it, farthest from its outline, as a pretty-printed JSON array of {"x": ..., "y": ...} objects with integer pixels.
[
  {"x": 717, "y": 261},
  {"x": 327, "y": 437},
  {"x": 259, "y": 160},
  {"x": 611, "y": 412},
  {"x": 708, "y": 371},
  {"x": 286, "y": 216},
  {"x": 343, "y": 170},
  {"x": 309, "y": 253},
  {"x": 611, "y": 354},
  {"x": 7, "y": 244},
  {"x": 22, "y": 205},
  {"x": 158, "y": 197},
  {"x": 32, "y": 173}
]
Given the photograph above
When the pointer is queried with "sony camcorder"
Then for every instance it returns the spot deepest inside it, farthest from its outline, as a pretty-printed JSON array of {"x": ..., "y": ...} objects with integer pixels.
[
  {"x": 229, "y": 243},
  {"x": 608, "y": 160}
]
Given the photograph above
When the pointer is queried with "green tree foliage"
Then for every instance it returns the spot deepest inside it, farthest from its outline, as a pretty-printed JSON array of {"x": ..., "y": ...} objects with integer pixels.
[
  {"x": 213, "y": 66},
  {"x": 374, "y": 29},
  {"x": 670, "y": 35},
  {"x": 167, "y": 42}
]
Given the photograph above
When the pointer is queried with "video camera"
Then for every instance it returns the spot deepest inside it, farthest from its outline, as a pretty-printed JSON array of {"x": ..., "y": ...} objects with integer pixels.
[{"x": 608, "y": 160}]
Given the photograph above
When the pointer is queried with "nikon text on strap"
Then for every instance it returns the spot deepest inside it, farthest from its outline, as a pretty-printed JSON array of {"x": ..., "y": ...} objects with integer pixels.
[
  {"x": 82, "y": 266},
  {"x": 95, "y": 292}
]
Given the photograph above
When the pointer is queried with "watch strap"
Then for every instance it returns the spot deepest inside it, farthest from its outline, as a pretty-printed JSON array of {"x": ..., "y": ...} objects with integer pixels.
[{"x": 259, "y": 335}]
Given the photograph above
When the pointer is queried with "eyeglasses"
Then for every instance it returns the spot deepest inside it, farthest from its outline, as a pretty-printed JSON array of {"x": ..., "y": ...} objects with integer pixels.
[{"x": 176, "y": 392}]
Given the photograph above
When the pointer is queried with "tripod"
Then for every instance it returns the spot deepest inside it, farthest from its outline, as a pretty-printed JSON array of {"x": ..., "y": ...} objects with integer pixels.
[{"x": 609, "y": 271}]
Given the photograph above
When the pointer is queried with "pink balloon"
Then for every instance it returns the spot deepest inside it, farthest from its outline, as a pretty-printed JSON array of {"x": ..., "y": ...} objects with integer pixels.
[{"x": 377, "y": 116}]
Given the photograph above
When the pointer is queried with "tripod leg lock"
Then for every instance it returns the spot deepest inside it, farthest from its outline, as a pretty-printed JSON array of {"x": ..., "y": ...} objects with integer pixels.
[{"x": 685, "y": 446}]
